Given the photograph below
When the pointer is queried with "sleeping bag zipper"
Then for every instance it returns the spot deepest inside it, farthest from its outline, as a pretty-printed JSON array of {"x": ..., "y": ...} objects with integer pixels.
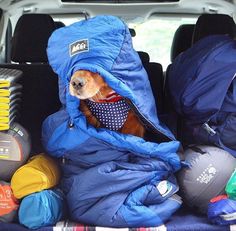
[{"x": 161, "y": 136}]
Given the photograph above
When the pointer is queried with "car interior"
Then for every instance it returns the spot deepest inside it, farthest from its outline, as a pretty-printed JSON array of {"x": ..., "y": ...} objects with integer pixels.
[{"x": 161, "y": 30}]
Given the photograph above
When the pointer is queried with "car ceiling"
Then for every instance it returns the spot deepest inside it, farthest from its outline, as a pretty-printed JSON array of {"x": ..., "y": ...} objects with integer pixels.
[{"x": 126, "y": 9}]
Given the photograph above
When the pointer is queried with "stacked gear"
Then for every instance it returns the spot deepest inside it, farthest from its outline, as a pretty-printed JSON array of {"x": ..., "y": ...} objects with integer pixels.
[
  {"x": 15, "y": 142},
  {"x": 35, "y": 183},
  {"x": 14, "y": 139},
  {"x": 10, "y": 97},
  {"x": 110, "y": 179},
  {"x": 209, "y": 170}
]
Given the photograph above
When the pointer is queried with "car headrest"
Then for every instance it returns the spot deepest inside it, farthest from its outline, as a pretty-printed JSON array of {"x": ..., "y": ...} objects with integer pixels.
[
  {"x": 211, "y": 24},
  {"x": 182, "y": 40},
  {"x": 59, "y": 24},
  {"x": 144, "y": 56},
  {"x": 132, "y": 32},
  {"x": 30, "y": 38}
]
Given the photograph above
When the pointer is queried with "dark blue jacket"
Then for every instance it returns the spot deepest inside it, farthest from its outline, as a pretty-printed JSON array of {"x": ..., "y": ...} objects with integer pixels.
[{"x": 203, "y": 88}]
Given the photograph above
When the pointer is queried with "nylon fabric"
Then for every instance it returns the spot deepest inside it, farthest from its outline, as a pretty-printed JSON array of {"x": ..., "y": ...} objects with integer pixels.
[
  {"x": 107, "y": 176},
  {"x": 205, "y": 93}
]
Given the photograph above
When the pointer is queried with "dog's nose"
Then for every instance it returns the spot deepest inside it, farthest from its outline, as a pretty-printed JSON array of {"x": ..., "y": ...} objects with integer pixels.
[{"x": 78, "y": 83}]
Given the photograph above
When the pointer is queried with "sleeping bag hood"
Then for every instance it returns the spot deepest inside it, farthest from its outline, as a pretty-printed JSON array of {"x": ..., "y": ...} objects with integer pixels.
[
  {"x": 104, "y": 45},
  {"x": 110, "y": 179}
]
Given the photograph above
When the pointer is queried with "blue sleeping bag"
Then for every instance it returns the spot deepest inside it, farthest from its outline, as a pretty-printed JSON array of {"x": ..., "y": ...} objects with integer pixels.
[{"x": 109, "y": 179}]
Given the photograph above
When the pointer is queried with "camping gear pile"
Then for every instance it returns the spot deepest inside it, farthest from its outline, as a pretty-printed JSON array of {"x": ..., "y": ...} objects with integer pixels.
[
  {"x": 205, "y": 99},
  {"x": 116, "y": 180},
  {"x": 34, "y": 184},
  {"x": 22, "y": 184},
  {"x": 14, "y": 141},
  {"x": 31, "y": 197}
]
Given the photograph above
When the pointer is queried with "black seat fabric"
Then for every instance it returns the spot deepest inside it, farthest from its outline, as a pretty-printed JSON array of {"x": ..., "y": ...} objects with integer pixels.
[
  {"x": 132, "y": 32},
  {"x": 30, "y": 38},
  {"x": 182, "y": 40},
  {"x": 210, "y": 24},
  {"x": 155, "y": 75},
  {"x": 40, "y": 87},
  {"x": 59, "y": 24},
  {"x": 144, "y": 56}
]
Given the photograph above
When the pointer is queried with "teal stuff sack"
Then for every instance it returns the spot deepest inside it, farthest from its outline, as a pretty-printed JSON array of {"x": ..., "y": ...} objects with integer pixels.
[{"x": 41, "y": 209}]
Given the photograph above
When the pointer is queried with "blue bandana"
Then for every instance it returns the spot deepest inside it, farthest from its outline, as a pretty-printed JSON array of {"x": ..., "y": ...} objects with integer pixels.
[{"x": 111, "y": 115}]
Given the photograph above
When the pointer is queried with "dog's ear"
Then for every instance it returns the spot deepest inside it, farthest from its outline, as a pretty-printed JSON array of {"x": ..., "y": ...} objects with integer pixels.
[{"x": 99, "y": 79}]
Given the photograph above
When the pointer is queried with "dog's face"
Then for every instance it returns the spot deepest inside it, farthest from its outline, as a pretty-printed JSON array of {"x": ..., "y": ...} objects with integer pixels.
[{"x": 86, "y": 84}]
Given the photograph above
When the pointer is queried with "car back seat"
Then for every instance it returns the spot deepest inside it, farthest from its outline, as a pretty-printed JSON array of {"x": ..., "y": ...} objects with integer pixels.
[
  {"x": 40, "y": 87},
  {"x": 182, "y": 40}
]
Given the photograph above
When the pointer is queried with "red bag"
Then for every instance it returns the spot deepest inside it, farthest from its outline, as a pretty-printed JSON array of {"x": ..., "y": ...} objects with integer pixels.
[{"x": 8, "y": 203}]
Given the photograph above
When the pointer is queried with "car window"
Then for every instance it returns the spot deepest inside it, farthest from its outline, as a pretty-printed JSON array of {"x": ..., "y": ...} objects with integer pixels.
[
  {"x": 155, "y": 36},
  {"x": 67, "y": 20}
]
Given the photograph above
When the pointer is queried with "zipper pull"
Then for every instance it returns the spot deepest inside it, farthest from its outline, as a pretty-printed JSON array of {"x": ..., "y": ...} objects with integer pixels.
[
  {"x": 63, "y": 160},
  {"x": 70, "y": 124},
  {"x": 210, "y": 130}
]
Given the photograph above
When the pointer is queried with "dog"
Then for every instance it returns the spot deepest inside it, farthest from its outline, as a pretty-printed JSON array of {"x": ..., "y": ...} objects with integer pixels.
[{"x": 94, "y": 94}]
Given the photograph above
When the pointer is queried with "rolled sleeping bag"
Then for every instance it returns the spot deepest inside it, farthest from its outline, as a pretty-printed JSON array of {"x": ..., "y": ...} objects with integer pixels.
[
  {"x": 41, "y": 209},
  {"x": 15, "y": 145},
  {"x": 222, "y": 210},
  {"x": 209, "y": 170},
  {"x": 8, "y": 203},
  {"x": 41, "y": 172}
]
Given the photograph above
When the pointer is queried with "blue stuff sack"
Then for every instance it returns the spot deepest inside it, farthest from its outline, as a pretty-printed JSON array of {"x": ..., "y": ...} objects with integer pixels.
[
  {"x": 47, "y": 209},
  {"x": 222, "y": 211}
]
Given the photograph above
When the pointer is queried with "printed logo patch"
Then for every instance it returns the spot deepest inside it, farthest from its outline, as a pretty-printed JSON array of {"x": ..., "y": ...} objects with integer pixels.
[
  {"x": 8, "y": 202},
  {"x": 79, "y": 46},
  {"x": 207, "y": 175},
  {"x": 164, "y": 187}
]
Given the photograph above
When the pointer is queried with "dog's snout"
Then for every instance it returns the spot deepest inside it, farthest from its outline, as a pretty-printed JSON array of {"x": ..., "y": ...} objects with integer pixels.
[{"x": 78, "y": 83}]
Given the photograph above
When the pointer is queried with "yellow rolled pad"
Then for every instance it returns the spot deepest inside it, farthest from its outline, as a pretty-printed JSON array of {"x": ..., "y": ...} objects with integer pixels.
[{"x": 41, "y": 172}]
